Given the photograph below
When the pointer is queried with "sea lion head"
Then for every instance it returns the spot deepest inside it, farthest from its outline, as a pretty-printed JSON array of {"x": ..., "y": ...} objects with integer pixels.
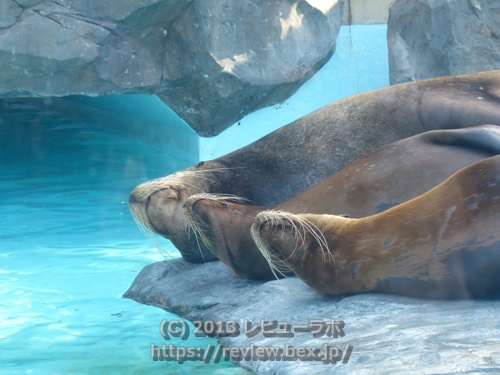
[
  {"x": 298, "y": 243},
  {"x": 157, "y": 208},
  {"x": 222, "y": 223},
  {"x": 207, "y": 214}
]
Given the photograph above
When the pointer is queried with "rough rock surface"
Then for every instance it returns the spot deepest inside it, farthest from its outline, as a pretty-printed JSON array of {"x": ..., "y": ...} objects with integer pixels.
[
  {"x": 211, "y": 61},
  {"x": 388, "y": 334},
  {"x": 433, "y": 38}
]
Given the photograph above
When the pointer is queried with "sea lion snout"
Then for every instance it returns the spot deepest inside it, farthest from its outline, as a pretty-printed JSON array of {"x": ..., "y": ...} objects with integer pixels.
[
  {"x": 132, "y": 199},
  {"x": 158, "y": 206},
  {"x": 275, "y": 233},
  {"x": 195, "y": 208},
  {"x": 154, "y": 203},
  {"x": 292, "y": 241},
  {"x": 211, "y": 219},
  {"x": 262, "y": 226}
]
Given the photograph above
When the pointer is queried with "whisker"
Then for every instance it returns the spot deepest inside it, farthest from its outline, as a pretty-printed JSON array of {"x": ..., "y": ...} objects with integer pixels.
[
  {"x": 299, "y": 227},
  {"x": 195, "y": 227}
]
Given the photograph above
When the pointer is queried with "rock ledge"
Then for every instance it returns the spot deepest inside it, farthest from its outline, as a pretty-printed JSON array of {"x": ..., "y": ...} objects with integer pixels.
[{"x": 396, "y": 334}]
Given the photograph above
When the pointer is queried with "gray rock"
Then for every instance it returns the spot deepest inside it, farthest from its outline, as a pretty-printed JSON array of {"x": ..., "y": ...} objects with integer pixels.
[
  {"x": 243, "y": 55},
  {"x": 28, "y": 3},
  {"x": 388, "y": 334},
  {"x": 211, "y": 61},
  {"x": 433, "y": 38},
  {"x": 9, "y": 13}
]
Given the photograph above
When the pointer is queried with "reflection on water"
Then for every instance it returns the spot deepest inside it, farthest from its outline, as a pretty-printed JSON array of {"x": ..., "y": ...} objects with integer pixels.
[{"x": 69, "y": 249}]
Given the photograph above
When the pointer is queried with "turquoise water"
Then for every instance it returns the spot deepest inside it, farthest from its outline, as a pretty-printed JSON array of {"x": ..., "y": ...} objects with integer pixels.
[{"x": 69, "y": 249}]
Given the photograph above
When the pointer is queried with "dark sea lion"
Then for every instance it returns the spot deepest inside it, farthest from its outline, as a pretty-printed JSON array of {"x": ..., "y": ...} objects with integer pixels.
[
  {"x": 387, "y": 177},
  {"x": 305, "y": 152},
  {"x": 442, "y": 244}
]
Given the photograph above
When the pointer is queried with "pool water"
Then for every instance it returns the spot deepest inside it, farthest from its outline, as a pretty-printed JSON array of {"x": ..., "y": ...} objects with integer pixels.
[{"x": 69, "y": 249}]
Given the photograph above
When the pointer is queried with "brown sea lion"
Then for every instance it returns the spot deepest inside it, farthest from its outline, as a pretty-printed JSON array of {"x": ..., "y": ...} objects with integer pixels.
[
  {"x": 444, "y": 243},
  {"x": 305, "y": 152},
  {"x": 387, "y": 177},
  {"x": 223, "y": 225}
]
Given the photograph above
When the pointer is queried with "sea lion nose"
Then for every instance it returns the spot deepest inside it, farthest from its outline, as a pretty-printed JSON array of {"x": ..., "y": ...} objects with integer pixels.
[
  {"x": 265, "y": 227},
  {"x": 185, "y": 204},
  {"x": 132, "y": 199}
]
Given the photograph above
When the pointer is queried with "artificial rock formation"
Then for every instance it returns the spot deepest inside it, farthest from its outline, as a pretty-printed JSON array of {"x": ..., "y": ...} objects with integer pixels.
[
  {"x": 211, "y": 61},
  {"x": 388, "y": 334},
  {"x": 433, "y": 38}
]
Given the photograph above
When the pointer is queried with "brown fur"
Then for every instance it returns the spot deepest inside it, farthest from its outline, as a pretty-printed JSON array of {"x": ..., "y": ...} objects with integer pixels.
[{"x": 444, "y": 243}]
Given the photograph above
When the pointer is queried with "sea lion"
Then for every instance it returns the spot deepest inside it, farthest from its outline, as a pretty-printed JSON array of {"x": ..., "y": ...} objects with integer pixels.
[
  {"x": 387, "y": 177},
  {"x": 442, "y": 244},
  {"x": 305, "y": 152},
  {"x": 223, "y": 224}
]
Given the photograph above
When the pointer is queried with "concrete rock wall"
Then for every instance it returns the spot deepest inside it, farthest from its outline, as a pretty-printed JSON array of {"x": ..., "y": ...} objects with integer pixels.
[
  {"x": 433, "y": 38},
  {"x": 211, "y": 61}
]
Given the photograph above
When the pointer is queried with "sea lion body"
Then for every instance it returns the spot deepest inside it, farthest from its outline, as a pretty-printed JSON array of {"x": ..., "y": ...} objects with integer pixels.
[
  {"x": 305, "y": 152},
  {"x": 387, "y": 177},
  {"x": 443, "y": 244}
]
